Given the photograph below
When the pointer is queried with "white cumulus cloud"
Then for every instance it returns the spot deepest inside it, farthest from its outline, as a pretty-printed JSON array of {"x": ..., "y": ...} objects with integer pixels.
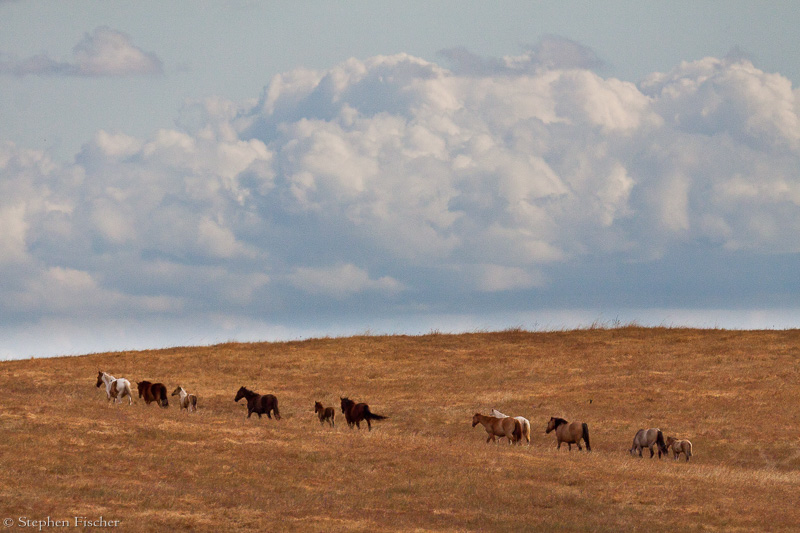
[
  {"x": 104, "y": 52},
  {"x": 399, "y": 182}
]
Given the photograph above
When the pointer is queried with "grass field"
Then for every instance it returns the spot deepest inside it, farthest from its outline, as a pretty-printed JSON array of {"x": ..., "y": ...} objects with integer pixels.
[{"x": 65, "y": 452}]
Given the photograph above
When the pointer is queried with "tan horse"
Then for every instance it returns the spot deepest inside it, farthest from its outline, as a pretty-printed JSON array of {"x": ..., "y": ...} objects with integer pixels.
[
  {"x": 569, "y": 433},
  {"x": 647, "y": 438},
  {"x": 526, "y": 424},
  {"x": 680, "y": 447},
  {"x": 325, "y": 413},
  {"x": 499, "y": 427}
]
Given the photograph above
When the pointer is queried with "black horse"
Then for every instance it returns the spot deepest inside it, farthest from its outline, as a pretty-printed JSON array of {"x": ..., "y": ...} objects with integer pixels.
[{"x": 259, "y": 404}]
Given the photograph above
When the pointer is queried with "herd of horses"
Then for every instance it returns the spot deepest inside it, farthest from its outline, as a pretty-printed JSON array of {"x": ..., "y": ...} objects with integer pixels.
[
  {"x": 260, "y": 404},
  {"x": 515, "y": 429},
  {"x": 118, "y": 388}
]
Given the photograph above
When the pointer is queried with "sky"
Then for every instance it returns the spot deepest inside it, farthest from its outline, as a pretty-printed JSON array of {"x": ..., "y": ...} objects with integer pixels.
[{"x": 184, "y": 173}]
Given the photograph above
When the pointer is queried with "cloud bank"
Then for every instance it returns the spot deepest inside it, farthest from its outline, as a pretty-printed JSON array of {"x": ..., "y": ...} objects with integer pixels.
[
  {"x": 104, "y": 52},
  {"x": 394, "y": 185}
]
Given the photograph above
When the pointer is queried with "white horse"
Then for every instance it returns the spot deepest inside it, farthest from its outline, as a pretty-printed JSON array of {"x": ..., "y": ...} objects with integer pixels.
[
  {"x": 188, "y": 401},
  {"x": 116, "y": 389},
  {"x": 526, "y": 425}
]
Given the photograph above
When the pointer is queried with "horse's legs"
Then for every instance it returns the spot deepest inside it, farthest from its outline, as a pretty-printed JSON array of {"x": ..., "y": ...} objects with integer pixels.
[
  {"x": 578, "y": 444},
  {"x": 369, "y": 425},
  {"x": 569, "y": 446},
  {"x": 651, "y": 452},
  {"x": 559, "y": 445}
]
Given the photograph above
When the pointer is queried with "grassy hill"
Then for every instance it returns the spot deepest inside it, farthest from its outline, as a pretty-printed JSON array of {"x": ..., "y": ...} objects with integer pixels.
[{"x": 66, "y": 452}]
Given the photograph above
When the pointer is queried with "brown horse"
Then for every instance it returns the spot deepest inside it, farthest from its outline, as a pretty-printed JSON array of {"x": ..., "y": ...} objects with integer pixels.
[
  {"x": 680, "y": 446},
  {"x": 325, "y": 414},
  {"x": 153, "y": 392},
  {"x": 258, "y": 404},
  {"x": 499, "y": 427},
  {"x": 354, "y": 413},
  {"x": 569, "y": 433}
]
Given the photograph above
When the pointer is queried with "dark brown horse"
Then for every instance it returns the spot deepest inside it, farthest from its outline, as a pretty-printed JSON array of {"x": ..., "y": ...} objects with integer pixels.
[
  {"x": 569, "y": 433},
  {"x": 259, "y": 404},
  {"x": 354, "y": 413},
  {"x": 325, "y": 414},
  {"x": 153, "y": 392}
]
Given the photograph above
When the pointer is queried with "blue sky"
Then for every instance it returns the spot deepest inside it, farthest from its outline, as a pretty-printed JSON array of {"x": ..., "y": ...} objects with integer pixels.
[{"x": 194, "y": 172}]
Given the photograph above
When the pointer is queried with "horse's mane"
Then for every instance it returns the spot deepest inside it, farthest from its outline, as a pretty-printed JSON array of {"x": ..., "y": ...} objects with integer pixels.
[
  {"x": 247, "y": 392},
  {"x": 559, "y": 421}
]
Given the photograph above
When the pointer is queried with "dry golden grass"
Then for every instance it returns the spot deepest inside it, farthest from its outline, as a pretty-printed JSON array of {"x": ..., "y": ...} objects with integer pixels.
[{"x": 65, "y": 452}]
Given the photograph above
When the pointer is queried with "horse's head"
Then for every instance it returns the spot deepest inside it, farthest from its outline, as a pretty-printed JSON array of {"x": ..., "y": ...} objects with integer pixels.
[
  {"x": 240, "y": 394},
  {"x": 346, "y": 403},
  {"x": 99, "y": 378},
  {"x": 177, "y": 391},
  {"x": 318, "y": 407},
  {"x": 476, "y": 418},
  {"x": 141, "y": 386},
  {"x": 551, "y": 425},
  {"x": 671, "y": 441}
]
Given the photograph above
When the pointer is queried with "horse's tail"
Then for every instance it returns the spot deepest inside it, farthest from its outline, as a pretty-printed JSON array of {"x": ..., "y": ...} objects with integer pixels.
[
  {"x": 526, "y": 431},
  {"x": 162, "y": 393},
  {"x": 275, "y": 409},
  {"x": 662, "y": 446},
  {"x": 369, "y": 415},
  {"x": 586, "y": 436},
  {"x": 517, "y": 431},
  {"x": 689, "y": 451}
]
